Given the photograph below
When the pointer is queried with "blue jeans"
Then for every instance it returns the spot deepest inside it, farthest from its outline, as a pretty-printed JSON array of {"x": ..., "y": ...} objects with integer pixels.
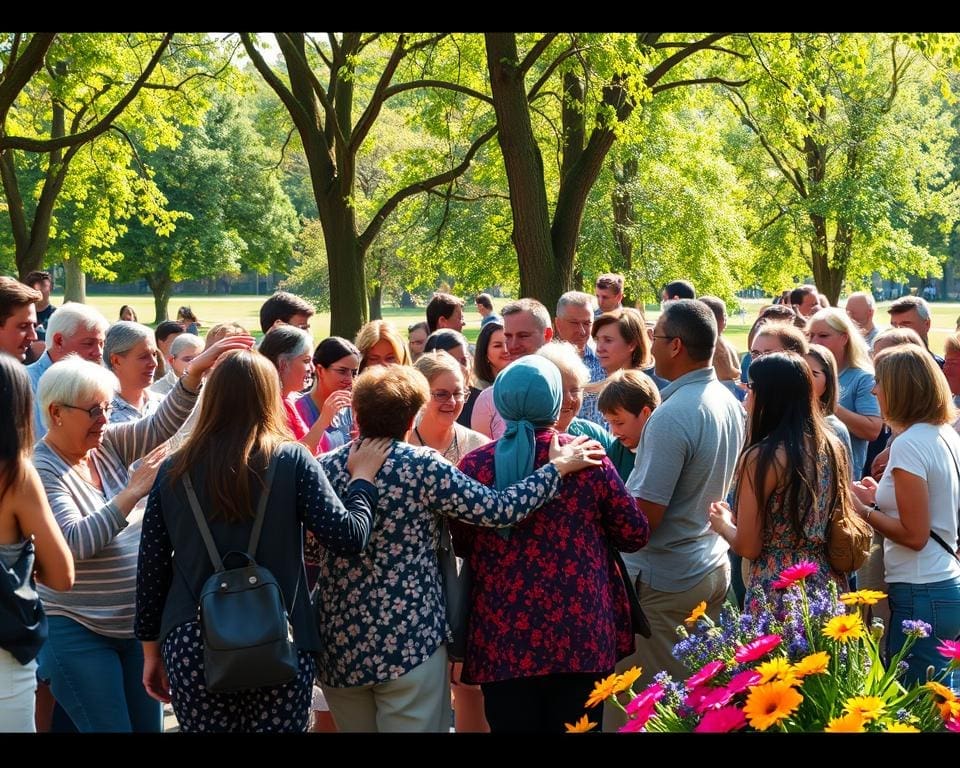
[
  {"x": 938, "y": 604},
  {"x": 98, "y": 680}
]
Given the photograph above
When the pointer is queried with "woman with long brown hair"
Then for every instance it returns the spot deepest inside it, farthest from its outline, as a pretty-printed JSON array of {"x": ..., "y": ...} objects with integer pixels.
[
  {"x": 241, "y": 432},
  {"x": 27, "y": 530}
]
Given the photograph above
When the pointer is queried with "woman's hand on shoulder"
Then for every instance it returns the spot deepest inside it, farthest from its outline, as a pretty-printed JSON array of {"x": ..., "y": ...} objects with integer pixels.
[
  {"x": 580, "y": 453},
  {"x": 366, "y": 456}
]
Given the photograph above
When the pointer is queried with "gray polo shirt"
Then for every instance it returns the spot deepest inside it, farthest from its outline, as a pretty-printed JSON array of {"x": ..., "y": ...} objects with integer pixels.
[{"x": 685, "y": 460}]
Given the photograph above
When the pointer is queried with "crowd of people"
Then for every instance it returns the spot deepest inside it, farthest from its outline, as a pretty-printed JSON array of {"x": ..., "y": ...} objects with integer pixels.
[{"x": 550, "y": 448}]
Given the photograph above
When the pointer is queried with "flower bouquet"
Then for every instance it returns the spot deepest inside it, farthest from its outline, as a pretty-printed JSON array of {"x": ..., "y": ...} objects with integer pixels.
[{"x": 806, "y": 662}]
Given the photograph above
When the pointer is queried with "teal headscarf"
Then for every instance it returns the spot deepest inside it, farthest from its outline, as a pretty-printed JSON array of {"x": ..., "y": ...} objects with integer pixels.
[{"x": 527, "y": 394}]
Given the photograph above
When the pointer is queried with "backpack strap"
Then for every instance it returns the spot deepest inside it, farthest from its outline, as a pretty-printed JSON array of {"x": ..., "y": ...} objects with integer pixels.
[
  {"x": 202, "y": 523},
  {"x": 262, "y": 508},
  {"x": 205, "y": 529},
  {"x": 933, "y": 534}
]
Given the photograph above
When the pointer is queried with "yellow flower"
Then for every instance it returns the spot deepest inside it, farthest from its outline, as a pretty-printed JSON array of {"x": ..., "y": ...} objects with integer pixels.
[
  {"x": 851, "y": 723},
  {"x": 581, "y": 726},
  {"x": 814, "y": 664},
  {"x": 603, "y": 690},
  {"x": 776, "y": 668},
  {"x": 627, "y": 679},
  {"x": 868, "y": 707},
  {"x": 901, "y": 728},
  {"x": 696, "y": 613},
  {"x": 940, "y": 690},
  {"x": 769, "y": 704},
  {"x": 862, "y": 597},
  {"x": 843, "y": 628}
]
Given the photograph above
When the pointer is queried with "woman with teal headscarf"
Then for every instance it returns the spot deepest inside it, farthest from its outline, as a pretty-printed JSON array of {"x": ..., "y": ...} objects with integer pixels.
[{"x": 549, "y": 614}]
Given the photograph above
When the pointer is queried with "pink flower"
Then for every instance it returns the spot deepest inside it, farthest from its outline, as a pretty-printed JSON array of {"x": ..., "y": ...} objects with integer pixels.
[
  {"x": 645, "y": 700},
  {"x": 707, "y": 672},
  {"x": 714, "y": 699},
  {"x": 793, "y": 574},
  {"x": 721, "y": 721},
  {"x": 950, "y": 649},
  {"x": 743, "y": 680},
  {"x": 634, "y": 725},
  {"x": 953, "y": 724},
  {"x": 696, "y": 696},
  {"x": 756, "y": 648}
]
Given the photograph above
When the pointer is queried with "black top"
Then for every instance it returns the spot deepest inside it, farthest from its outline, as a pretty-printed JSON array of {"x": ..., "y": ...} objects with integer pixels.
[{"x": 168, "y": 587}]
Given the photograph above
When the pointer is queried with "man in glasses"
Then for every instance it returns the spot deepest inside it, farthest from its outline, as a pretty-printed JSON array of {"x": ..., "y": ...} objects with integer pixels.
[{"x": 573, "y": 323}]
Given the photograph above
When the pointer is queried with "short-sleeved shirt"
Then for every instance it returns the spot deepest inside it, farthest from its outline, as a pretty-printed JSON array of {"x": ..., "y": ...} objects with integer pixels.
[
  {"x": 924, "y": 450},
  {"x": 685, "y": 460},
  {"x": 856, "y": 395}
]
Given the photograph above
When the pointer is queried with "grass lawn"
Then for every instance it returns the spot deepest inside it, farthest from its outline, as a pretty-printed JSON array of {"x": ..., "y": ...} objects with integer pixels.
[{"x": 245, "y": 310}]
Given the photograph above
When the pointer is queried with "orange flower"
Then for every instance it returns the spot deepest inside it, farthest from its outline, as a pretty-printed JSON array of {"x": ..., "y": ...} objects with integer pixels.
[
  {"x": 581, "y": 726},
  {"x": 603, "y": 690},
  {"x": 843, "y": 628},
  {"x": 776, "y": 668},
  {"x": 868, "y": 707},
  {"x": 696, "y": 613},
  {"x": 627, "y": 679},
  {"x": 851, "y": 723},
  {"x": 814, "y": 664},
  {"x": 770, "y": 704},
  {"x": 938, "y": 689}
]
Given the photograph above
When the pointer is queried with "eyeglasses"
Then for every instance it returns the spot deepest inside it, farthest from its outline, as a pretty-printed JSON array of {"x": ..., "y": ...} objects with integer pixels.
[
  {"x": 345, "y": 371},
  {"x": 442, "y": 395},
  {"x": 94, "y": 413}
]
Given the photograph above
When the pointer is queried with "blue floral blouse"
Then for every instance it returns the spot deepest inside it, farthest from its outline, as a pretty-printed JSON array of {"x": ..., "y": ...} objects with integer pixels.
[{"x": 381, "y": 613}]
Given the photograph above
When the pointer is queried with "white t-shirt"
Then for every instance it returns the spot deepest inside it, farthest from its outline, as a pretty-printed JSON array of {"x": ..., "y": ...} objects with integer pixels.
[{"x": 920, "y": 451}]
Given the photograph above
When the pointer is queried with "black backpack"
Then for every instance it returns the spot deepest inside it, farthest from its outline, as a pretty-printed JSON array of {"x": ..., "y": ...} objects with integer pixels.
[{"x": 247, "y": 637}]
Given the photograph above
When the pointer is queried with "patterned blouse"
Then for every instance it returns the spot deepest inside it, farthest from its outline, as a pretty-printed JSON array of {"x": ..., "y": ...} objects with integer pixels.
[
  {"x": 546, "y": 600},
  {"x": 381, "y": 614}
]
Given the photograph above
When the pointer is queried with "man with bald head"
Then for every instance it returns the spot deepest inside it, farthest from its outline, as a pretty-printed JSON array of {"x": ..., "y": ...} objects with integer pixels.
[{"x": 860, "y": 307}]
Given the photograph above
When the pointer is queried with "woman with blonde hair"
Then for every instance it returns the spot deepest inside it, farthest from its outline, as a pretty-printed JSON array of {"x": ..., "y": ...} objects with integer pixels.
[
  {"x": 857, "y": 407},
  {"x": 240, "y": 439},
  {"x": 915, "y": 503},
  {"x": 381, "y": 344},
  {"x": 30, "y": 542}
]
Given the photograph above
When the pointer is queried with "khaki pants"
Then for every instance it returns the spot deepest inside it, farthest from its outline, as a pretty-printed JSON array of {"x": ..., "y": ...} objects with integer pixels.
[
  {"x": 417, "y": 702},
  {"x": 666, "y": 611}
]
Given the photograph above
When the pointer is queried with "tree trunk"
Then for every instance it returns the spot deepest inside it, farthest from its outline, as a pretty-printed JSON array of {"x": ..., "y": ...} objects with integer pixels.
[
  {"x": 161, "y": 286},
  {"x": 623, "y": 219},
  {"x": 539, "y": 278},
  {"x": 74, "y": 281},
  {"x": 376, "y": 302}
]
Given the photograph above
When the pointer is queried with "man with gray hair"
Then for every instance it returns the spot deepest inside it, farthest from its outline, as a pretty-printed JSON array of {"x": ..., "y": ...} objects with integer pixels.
[
  {"x": 74, "y": 329},
  {"x": 573, "y": 323},
  {"x": 526, "y": 328},
  {"x": 183, "y": 349},
  {"x": 860, "y": 307},
  {"x": 685, "y": 460},
  {"x": 914, "y": 313}
]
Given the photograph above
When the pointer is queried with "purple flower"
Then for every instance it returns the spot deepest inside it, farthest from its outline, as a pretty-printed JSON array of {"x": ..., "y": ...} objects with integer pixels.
[{"x": 918, "y": 629}]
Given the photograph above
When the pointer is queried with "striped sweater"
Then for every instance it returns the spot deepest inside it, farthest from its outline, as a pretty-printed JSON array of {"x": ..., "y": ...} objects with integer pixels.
[{"x": 104, "y": 543}]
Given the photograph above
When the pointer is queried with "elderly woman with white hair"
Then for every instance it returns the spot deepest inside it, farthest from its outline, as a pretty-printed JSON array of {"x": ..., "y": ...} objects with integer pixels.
[
  {"x": 130, "y": 352},
  {"x": 183, "y": 349},
  {"x": 93, "y": 662},
  {"x": 857, "y": 406}
]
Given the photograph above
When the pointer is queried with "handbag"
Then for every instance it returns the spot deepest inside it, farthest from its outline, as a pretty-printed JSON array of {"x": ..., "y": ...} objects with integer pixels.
[
  {"x": 849, "y": 537},
  {"x": 23, "y": 623},
  {"x": 247, "y": 637},
  {"x": 638, "y": 619},
  {"x": 456, "y": 575}
]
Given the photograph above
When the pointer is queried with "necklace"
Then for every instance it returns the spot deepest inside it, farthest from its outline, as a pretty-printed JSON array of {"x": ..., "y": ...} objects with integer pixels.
[{"x": 452, "y": 454}]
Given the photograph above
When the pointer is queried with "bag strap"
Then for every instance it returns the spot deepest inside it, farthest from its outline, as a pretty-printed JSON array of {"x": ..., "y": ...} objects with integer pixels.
[
  {"x": 205, "y": 529},
  {"x": 933, "y": 534}
]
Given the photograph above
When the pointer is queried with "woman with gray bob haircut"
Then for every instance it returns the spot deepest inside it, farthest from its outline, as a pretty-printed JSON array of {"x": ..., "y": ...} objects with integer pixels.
[
  {"x": 93, "y": 662},
  {"x": 130, "y": 351}
]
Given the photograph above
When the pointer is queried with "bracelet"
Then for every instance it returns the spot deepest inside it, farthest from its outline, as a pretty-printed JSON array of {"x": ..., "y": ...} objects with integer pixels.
[{"x": 873, "y": 506}]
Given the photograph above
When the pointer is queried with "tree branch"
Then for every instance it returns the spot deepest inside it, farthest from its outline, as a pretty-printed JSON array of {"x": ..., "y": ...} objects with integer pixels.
[
  {"x": 571, "y": 51},
  {"x": 699, "y": 81},
  {"x": 299, "y": 115},
  {"x": 393, "y": 90},
  {"x": 19, "y": 71},
  {"x": 671, "y": 61},
  {"x": 534, "y": 53},
  {"x": 369, "y": 116},
  {"x": 46, "y": 145},
  {"x": 718, "y": 48},
  {"x": 373, "y": 228},
  {"x": 427, "y": 42},
  {"x": 465, "y": 199}
]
